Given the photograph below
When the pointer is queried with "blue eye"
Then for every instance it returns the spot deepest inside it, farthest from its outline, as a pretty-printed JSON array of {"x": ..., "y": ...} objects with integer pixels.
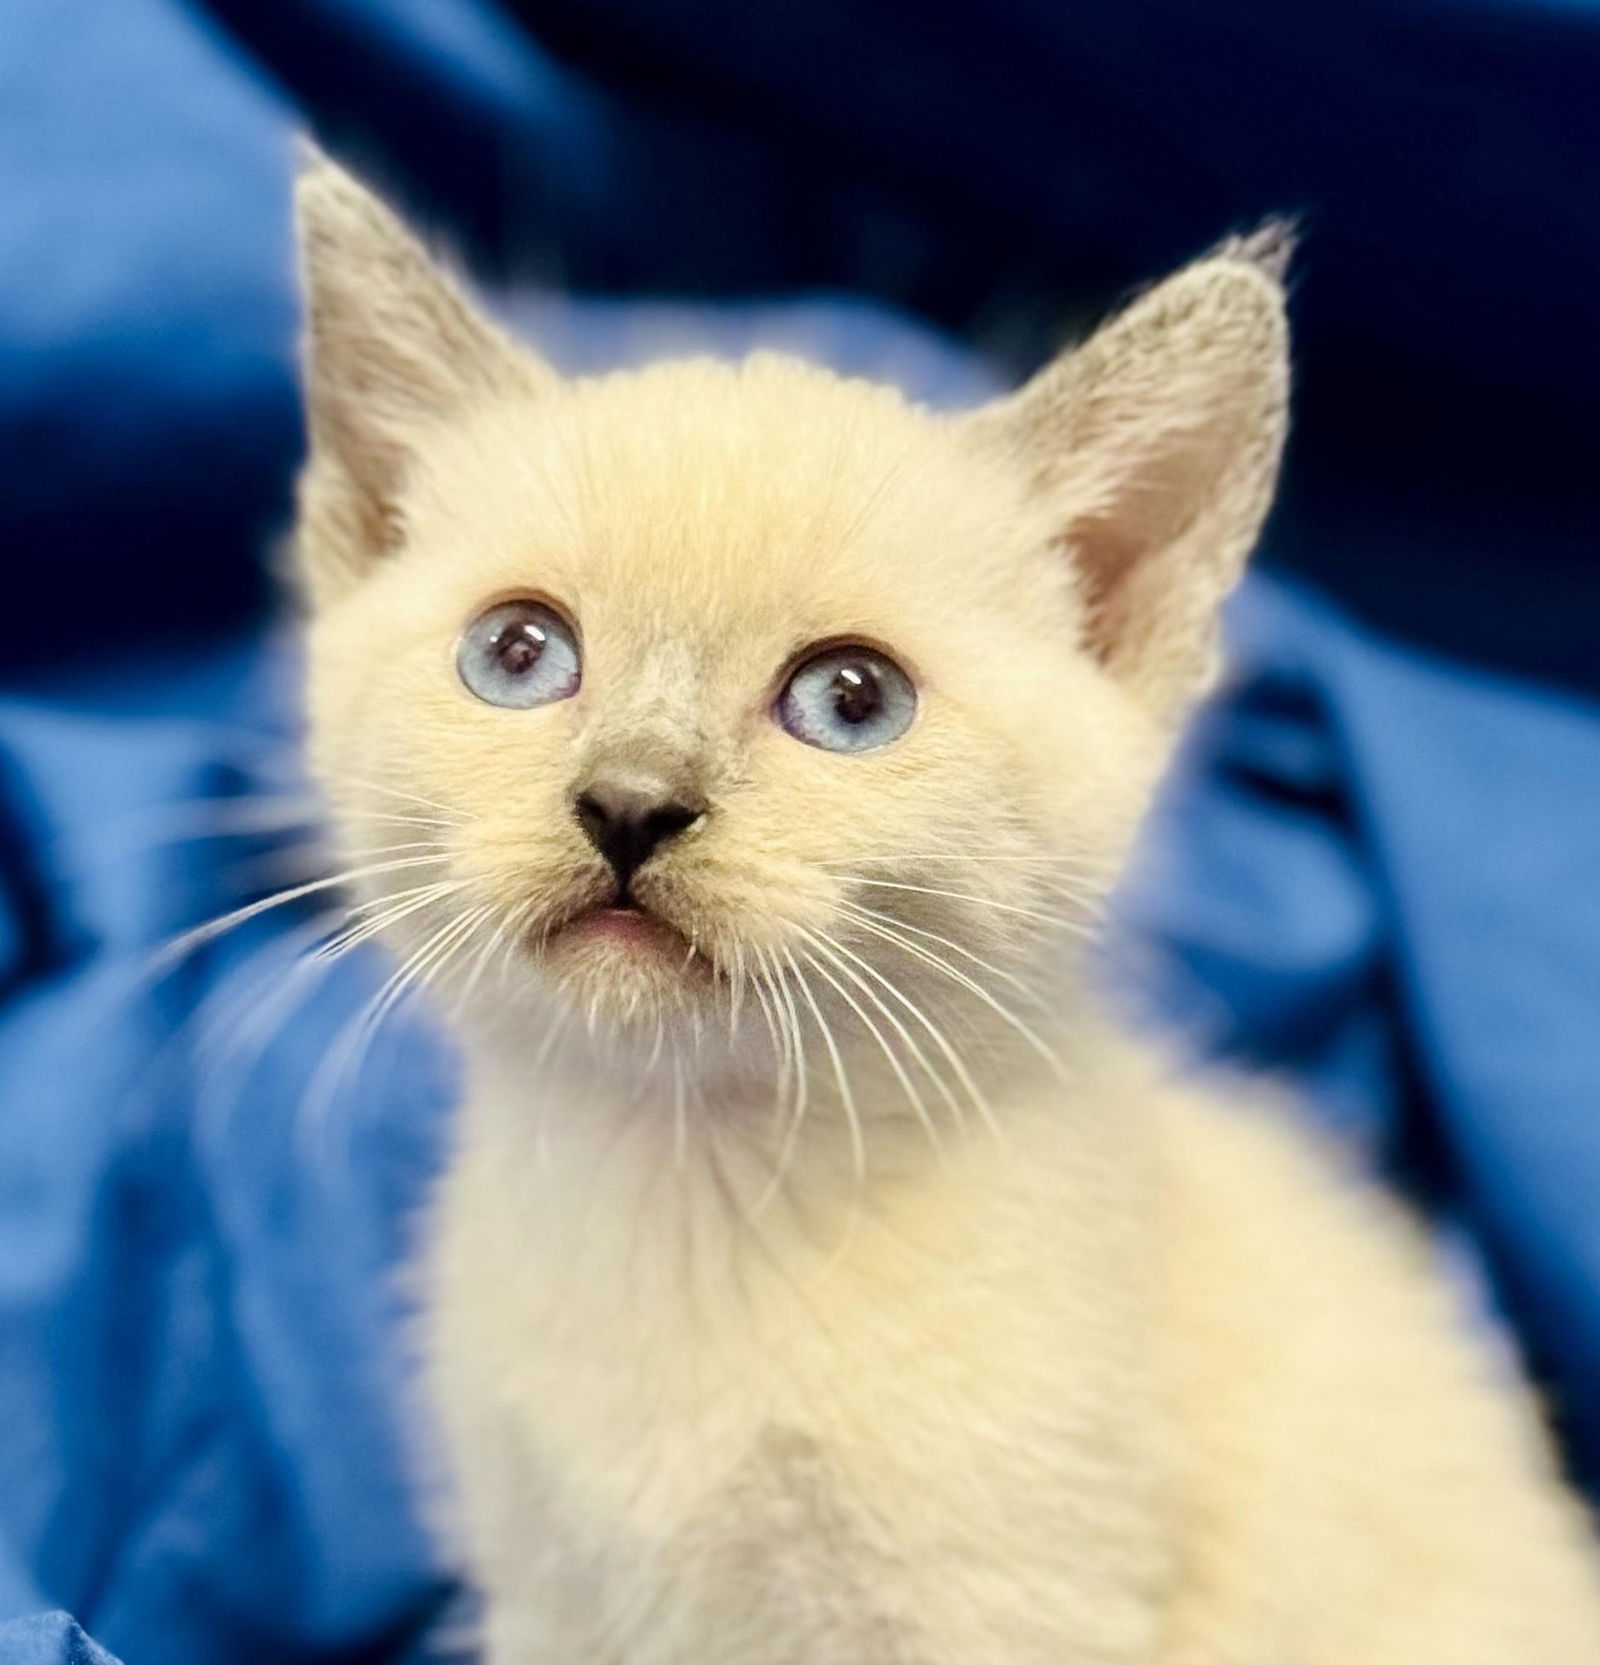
[
  {"x": 848, "y": 699},
  {"x": 520, "y": 654}
]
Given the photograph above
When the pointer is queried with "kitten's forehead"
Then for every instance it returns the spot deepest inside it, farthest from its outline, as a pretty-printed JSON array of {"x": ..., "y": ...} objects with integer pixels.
[{"x": 722, "y": 501}]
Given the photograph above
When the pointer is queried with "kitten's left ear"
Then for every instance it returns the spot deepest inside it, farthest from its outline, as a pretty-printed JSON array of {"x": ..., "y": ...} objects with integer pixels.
[
  {"x": 1156, "y": 444},
  {"x": 393, "y": 349}
]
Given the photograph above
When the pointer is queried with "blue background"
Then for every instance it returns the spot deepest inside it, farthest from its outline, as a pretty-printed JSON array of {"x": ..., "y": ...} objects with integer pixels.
[{"x": 1376, "y": 872}]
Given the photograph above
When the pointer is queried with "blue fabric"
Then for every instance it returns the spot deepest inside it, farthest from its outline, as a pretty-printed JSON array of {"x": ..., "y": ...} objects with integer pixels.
[
  {"x": 147, "y": 420},
  {"x": 49, "y": 1639},
  {"x": 1373, "y": 874},
  {"x": 197, "y": 1361}
]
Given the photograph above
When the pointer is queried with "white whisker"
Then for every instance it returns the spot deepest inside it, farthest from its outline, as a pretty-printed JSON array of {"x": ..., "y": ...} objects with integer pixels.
[
  {"x": 963, "y": 896},
  {"x": 918, "y": 1105},
  {"x": 936, "y": 1035},
  {"x": 223, "y": 1026},
  {"x": 354, "y": 1041},
  {"x": 390, "y": 910},
  {"x": 1018, "y": 983},
  {"x": 191, "y": 939},
  {"x": 928, "y": 957},
  {"x": 399, "y": 792},
  {"x": 858, "y": 1143},
  {"x": 794, "y": 1062}
]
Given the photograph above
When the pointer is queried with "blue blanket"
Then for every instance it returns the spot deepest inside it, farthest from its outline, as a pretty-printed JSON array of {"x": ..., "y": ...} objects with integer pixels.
[{"x": 1375, "y": 871}]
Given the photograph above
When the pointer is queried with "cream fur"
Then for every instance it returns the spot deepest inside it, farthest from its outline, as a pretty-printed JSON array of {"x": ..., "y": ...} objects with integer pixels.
[{"x": 1028, "y": 1354}]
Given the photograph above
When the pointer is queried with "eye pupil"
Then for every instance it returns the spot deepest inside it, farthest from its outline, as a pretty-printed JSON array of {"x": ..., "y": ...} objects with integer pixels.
[
  {"x": 857, "y": 698},
  {"x": 520, "y": 648}
]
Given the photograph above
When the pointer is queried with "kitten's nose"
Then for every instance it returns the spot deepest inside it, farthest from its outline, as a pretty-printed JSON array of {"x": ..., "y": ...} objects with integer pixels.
[{"x": 627, "y": 818}]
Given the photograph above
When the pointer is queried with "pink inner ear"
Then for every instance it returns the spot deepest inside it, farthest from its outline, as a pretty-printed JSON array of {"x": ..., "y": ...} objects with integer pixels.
[
  {"x": 1167, "y": 482},
  {"x": 1157, "y": 441}
]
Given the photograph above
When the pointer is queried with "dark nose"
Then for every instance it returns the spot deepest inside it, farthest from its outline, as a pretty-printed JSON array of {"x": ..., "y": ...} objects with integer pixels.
[{"x": 627, "y": 820}]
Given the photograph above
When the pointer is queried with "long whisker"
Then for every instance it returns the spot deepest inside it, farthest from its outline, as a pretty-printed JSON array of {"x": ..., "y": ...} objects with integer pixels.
[
  {"x": 496, "y": 939},
  {"x": 737, "y": 979},
  {"x": 918, "y": 1104},
  {"x": 795, "y": 1061},
  {"x": 965, "y": 896},
  {"x": 354, "y": 1041},
  {"x": 435, "y": 844},
  {"x": 264, "y": 1015},
  {"x": 847, "y": 1097},
  {"x": 1080, "y": 884},
  {"x": 928, "y": 957},
  {"x": 516, "y": 923},
  {"x": 1018, "y": 983},
  {"x": 936, "y": 1035},
  {"x": 408, "y": 820},
  {"x": 858, "y": 1145},
  {"x": 759, "y": 994},
  {"x": 469, "y": 923},
  {"x": 398, "y": 792},
  {"x": 381, "y": 914},
  {"x": 191, "y": 939},
  {"x": 1043, "y": 863},
  {"x": 230, "y": 1029}
]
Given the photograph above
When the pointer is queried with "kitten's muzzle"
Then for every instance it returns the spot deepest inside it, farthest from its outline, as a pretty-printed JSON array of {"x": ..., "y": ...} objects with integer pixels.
[{"x": 628, "y": 817}]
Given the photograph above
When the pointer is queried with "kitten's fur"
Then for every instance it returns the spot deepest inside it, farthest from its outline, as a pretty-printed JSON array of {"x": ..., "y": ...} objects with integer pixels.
[{"x": 1099, "y": 1370}]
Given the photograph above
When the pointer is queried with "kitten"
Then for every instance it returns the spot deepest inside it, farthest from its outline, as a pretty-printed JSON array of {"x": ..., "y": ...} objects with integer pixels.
[{"x": 819, "y": 1277}]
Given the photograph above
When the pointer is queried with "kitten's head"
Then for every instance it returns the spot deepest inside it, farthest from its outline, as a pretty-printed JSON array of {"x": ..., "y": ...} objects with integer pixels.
[{"x": 701, "y": 675}]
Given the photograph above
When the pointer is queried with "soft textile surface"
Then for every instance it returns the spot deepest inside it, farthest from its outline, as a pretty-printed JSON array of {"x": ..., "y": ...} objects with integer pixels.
[{"x": 1377, "y": 872}]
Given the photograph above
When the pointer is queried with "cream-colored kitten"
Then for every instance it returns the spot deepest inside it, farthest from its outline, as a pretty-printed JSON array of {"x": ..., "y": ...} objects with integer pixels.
[{"x": 820, "y": 1278}]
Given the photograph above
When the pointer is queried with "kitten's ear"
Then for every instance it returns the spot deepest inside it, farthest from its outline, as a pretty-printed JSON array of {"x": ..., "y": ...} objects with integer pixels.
[
  {"x": 393, "y": 349},
  {"x": 1156, "y": 444}
]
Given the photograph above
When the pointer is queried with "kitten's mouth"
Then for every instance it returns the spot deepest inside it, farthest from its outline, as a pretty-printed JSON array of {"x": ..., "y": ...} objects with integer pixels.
[
  {"x": 627, "y": 925},
  {"x": 620, "y": 959}
]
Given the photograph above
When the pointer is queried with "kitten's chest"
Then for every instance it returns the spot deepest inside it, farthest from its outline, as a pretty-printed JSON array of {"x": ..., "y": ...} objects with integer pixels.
[
  {"x": 640, "y": 1491},
  {"x": 825, "y": 1539},
  {"x": 842, "y": 1468}
]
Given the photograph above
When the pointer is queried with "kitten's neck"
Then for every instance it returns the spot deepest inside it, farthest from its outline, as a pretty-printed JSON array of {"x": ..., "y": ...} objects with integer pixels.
[{"x": 704, "y": 1150}]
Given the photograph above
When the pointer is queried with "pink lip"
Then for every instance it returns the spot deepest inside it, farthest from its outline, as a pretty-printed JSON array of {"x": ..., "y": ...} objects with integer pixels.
[{"x": 624, "y": 925}]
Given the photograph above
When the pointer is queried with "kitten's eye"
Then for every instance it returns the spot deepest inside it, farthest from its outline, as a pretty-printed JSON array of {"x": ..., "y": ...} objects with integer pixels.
[
  {"x": 848, "y": 699},
  {"x": 519, "y": 654}
]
